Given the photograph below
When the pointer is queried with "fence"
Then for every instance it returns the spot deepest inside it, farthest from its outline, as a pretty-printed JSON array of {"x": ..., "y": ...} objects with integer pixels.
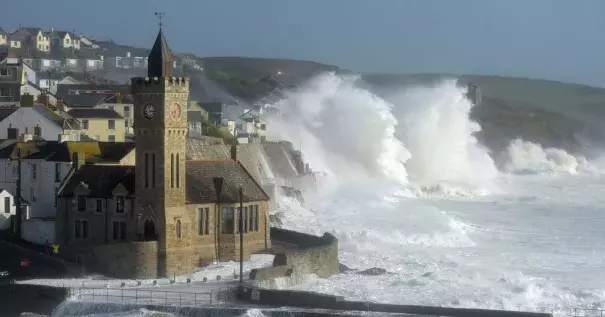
[
  {"x": 587, "y": 312},
  {"x": 216, "y": 296}
]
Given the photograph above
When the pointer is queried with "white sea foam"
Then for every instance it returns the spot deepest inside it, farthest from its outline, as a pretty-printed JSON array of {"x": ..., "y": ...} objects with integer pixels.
[{"x": 490, "y": 240}]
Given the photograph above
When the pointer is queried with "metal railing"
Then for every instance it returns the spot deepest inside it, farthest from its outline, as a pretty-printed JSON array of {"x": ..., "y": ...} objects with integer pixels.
[
  {"x": 588, "y": 312},
  {"x": 213, "y": 297}
]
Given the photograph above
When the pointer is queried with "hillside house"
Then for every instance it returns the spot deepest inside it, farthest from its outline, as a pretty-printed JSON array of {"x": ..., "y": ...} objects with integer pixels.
[
  {"x": 16, "y": 79},
  {"x": 36, "y": 121},
  {"x": 64, "y": 40},
  {"x": 3, "y": 37},
  {"x": 7, "y": 209},
  {"x": 29, "y": 37},
  {"x": 100, "y": 124}
]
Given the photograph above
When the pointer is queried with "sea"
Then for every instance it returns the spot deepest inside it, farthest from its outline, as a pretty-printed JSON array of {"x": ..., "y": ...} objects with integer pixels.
[{"x": 405, "y": 186}]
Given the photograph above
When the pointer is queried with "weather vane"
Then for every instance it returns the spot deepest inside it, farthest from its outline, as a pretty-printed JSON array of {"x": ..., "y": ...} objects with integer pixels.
[{"x": 160, "y": 16}]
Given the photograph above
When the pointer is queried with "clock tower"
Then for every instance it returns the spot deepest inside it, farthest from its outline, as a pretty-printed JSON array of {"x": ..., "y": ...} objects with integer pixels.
[{"x": 160, "y": 126}]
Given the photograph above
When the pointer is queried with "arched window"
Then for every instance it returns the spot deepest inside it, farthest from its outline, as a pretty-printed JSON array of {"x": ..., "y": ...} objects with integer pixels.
[
  {"x": 146, "y": 170},
  {"x": 178, "y": 171},
  {"x": 153, "y": 170},
  {"x": 178, "y": 229},
  {"x": 172, "y": 170}
]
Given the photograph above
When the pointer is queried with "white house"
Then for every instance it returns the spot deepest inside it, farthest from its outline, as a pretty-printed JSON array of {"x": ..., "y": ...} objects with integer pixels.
[
  {"x": 7, "y": 209},
  {"x": 37, "y": 122},
  {"x": 250, "y": 127}
]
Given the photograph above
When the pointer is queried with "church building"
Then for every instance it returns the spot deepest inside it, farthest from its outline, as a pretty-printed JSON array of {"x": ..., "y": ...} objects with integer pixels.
[{"x": 168, "y": 214}]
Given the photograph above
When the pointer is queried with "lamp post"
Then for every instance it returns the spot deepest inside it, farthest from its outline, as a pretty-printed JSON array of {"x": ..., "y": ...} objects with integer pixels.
[
  {"x": 218, "y": 189},
  {"x": 241, "y": 236}
]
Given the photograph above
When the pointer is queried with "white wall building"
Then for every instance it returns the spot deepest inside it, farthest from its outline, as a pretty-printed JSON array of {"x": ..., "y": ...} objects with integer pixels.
[
  {"x": 38, "y": 121},
  {"x": 7, "y": 209}
]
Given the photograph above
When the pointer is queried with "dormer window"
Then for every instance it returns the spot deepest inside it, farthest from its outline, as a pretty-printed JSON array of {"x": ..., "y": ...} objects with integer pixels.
[{"x": 120, "y": 204}]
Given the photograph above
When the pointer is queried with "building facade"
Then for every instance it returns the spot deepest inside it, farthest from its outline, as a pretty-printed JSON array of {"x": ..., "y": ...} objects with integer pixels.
[{"x": 168, "y": 215}]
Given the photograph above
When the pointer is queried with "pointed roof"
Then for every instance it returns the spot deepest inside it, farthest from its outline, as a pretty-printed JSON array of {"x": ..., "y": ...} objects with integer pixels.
[{"x": 160, "y": 58}]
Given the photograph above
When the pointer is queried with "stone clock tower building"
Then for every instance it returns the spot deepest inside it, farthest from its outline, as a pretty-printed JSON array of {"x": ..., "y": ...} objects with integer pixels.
[{"x": 160, "y": 119}]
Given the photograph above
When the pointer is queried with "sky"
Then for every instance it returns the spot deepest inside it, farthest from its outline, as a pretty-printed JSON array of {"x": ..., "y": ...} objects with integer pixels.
[{"x": 547, "y": 39}]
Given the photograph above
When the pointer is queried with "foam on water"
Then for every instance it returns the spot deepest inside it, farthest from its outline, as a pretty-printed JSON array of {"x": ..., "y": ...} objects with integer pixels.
[{"x": 408, "y": 188}]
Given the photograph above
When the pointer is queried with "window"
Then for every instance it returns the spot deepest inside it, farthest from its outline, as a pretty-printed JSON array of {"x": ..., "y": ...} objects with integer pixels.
[
  {"x": 263, "y": 126},
  {"x": 111, "y": 138},
  {"x": 172, "y": 170},
  {"x": 203, "y": 216},
  {"x": 85, "y": 124},
  {"x": 15, "y": 171},
  {"x": 111, "y": 124},
  {"x": 99, "y": 205},
  {"x": 33, "y": 194},
  {"x": 178, "y": 229},
  {"x": 5, "y": 92},
  {"x": 81, "y": 203},
  {"x": 178, "y": 173},
  {"x": 120, "y": 204},
  {"x": 238, "y": 126},
  {"x": 119, "y": 230},
  {"x": 57, "y": 172},
  {"x": 146, "y": 170},
  {"x": 81, "y": 229},
  {"x": 251, "y": 210},
  {"x": 7, "y": 205},
  {"x": 126, "y": 109},
  {"x": 38, "y": 130},
  {"x": 227, "y": 220},
  {"x": 34, "y": 171},
  {"x": 256, "y": 218},
  {"x": 5, "y": 71},
  {"x": 153, "y": 170}
]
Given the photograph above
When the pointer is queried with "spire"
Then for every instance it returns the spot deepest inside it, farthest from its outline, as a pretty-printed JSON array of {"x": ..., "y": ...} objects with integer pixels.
[{"x": 159, "y": 62}]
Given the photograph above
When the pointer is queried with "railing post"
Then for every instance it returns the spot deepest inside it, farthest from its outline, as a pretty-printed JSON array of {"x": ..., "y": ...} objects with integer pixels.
[
  {"x": 194, "y": 299},
  {"x": 136, "y": 296},
  {"x": 166, "y": 297},
  {"x": 210, "y": 297},
  {"x": 180, "y": 299},
  {"x": 93, "y": 294},
  {"x": 107, "y": 294}
]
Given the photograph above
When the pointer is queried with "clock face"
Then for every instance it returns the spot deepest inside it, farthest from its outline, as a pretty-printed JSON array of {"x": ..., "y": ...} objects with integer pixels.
[
  {"x": 149, "y": 111},
  {"x": 175, "y": 110}
]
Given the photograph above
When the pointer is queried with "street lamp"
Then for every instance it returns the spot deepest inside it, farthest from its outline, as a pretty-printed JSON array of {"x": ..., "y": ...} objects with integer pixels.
[
  {"x": 218, "y": 188},
  {"x": 241, "y": 236}
]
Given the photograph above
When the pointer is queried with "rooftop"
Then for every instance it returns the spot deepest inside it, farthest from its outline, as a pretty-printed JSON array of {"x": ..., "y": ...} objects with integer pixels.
[
  {"x": 55, "y": 151},
  {"x": 160, "y": 58},
  {"x": 100, "y": 180},
  {"x": 94, "y": 113}
]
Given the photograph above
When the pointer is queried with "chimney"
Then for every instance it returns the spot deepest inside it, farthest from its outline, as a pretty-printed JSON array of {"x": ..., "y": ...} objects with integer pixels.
[
  {"x": 77, "y": 160},
  {"x": 63, "y": 137},
  {"x": 27, "y": 100},
  {"x": 43, "y": 99},
  {"x": 28, "y": 137},
  {"x": 60, "y": 105},
  {"x": 234, "y": 152}
]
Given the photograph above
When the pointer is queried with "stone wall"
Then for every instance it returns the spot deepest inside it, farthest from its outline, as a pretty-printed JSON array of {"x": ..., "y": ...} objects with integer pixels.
[
  {"x": 120, "y": 260},
  {"x": 281, "y": 298},
  {"x": 312, "y": 256},
  {"x": 38, "y": 231}
]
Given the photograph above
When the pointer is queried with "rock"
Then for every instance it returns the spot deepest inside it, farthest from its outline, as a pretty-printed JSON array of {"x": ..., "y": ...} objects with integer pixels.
[
  {"x": 292, "y": 193},
  {"x": 343, "y": 268},
  {"x": 375, "y": 271},
  {"x": 275, "y": 219}
]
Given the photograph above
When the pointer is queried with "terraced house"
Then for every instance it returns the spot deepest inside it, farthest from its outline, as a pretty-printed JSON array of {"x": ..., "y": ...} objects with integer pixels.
[
  {"x": 101, "y": 124},
  {"x": 169, "y": 212}
]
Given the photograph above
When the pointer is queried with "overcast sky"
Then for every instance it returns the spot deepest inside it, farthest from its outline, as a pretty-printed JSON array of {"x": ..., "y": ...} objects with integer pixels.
[{"x": 550, "y": 39}]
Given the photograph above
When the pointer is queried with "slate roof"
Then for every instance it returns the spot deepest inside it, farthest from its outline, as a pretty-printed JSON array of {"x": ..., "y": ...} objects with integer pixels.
[
  {"x": 76, "y": 96},
  {"x": 5, "y": 112},
  {"x": 2, "y": 31},
  {"x": 96, "y": 113},
  {"x": 194, "y": 116},
  {"x": 200, "y": 185},
  {"x": 64, "y": 120},
  {"x": 56, "y": 151},
  {"x": 160, "y": 58},
  {"x": 101, "y": 180}
]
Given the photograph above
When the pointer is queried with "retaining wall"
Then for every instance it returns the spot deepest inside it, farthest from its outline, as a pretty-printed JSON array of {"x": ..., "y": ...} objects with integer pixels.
[
  {"x": 38, "y": 231},
  {"x": 312, "y": 255},
  {"x": 289, "y": 298}
]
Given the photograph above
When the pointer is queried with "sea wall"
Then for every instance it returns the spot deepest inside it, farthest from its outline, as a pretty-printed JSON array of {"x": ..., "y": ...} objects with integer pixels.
[
  {"x": 121, "y": 260},
  {"x": 18, "y": 298},
  {"x": 38, "y": 231},
  {"x": 281, "y": 298},
  {"x": 307, "y": 255}
]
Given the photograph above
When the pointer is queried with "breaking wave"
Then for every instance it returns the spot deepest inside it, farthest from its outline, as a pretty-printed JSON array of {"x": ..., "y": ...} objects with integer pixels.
[{"x": 531, "y": 158}]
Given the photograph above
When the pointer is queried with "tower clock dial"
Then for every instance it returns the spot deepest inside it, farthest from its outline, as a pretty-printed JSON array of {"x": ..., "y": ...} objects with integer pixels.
[
  {"x": 149, "y": 111},
  {"x": 175, "y": 110}
]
